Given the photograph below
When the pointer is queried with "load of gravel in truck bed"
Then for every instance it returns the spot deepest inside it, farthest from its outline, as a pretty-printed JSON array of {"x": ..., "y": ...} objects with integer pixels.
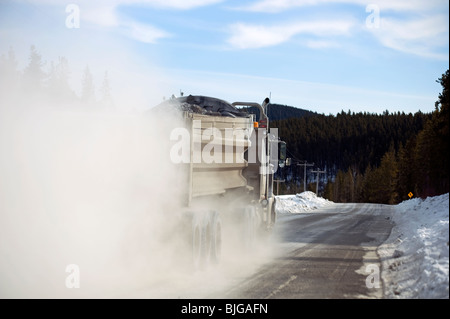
[{"x": 202, "y": 105}]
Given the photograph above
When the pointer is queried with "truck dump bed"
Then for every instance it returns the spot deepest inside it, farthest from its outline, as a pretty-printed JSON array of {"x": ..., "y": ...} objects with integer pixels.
[
  {"x": 219, "y": 136},
  {"x": 228, "y": 136}
]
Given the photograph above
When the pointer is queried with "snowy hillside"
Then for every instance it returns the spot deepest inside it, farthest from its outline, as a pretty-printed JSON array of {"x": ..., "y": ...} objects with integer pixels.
[{"x": 415, "y": 257}]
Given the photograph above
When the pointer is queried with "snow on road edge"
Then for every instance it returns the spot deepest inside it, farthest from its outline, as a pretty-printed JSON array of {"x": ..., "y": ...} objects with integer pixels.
[
  {"x": 415, "y": 257},
  {"x": 300, "y": 203}
]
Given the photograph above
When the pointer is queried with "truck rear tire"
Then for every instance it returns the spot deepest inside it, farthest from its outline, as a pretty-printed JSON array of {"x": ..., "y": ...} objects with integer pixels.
[
  {"x": 206, "y": 239},
  {"x": 216, "y": 238},
  {"x": 197, "y": 244},
  {"x": 251, "y": 225}
]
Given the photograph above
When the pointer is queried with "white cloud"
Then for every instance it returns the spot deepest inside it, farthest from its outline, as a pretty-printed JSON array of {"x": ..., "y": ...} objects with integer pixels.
[
  {"x": 248, "y": 36},
  {"x": 425, "y": 36},
  {"x": 144, "y": 33},
  {"x": 106, "y": 16},
  {"x": 420, "y": 29},
  {"x": 256, "y": 36},
  {"x": 321, "y": 44},
  {"x": 169, "y": 4},
  {"x": 177, "y": 4},
  {"x": 275, "y": 6},
  {"x": 104, "y": 13}
]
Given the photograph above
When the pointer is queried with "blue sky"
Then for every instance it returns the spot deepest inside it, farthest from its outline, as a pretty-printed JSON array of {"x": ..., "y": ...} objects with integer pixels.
[{"x": 321, "y": 55}]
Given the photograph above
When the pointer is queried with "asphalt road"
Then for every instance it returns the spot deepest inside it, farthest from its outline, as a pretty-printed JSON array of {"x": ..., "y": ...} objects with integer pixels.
[{"x": 329, "y": 253}]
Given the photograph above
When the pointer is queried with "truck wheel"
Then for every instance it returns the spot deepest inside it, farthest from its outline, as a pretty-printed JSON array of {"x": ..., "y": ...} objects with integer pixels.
[
  {"x": 250, "y": 226},
  {"x": 197, "y": 245},
  {"x": 216, "y": 238},
  {"x": 206, "y": 239},
  {"x": 200, "y": 239},
  {"x": 264, "y": 231}
]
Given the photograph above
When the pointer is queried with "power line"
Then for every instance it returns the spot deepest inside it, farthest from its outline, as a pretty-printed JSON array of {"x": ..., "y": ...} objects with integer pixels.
[{"x": 292, "y": 155}]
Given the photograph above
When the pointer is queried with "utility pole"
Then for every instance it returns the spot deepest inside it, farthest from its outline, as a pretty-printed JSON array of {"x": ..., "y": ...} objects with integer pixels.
[
  {"x": 317, "y": 184},
  {"x": 304, "y": 173},
  {"x": 278, "y": 181}
]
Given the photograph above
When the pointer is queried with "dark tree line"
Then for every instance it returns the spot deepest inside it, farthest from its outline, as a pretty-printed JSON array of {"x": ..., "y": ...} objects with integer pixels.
[
  {"x": 49, "y": 82},
  {"x": 371, "y": 157},
  {"x": 280, "y": 112},
  {"x": 348, "y": 139}
]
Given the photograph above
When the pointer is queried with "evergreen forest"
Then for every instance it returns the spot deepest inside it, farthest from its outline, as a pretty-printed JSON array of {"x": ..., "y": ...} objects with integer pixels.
[{"x": 375, "y": 158}]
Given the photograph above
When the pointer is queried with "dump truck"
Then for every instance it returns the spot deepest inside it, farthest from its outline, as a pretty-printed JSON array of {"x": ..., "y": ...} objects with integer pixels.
[{"x": 226, "y": 159}]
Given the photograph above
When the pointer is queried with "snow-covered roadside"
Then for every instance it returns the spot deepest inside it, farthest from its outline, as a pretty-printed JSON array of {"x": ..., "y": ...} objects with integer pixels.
[
  {"x": 300, "y": 203},
  {"x": 415, "y": 257}
]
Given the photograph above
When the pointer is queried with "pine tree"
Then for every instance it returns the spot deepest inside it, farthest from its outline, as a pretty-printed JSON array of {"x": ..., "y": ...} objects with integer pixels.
[
  {"x": 440, "y": 119},
  {"x": 367, "y": 188},
  {"x": 58, "y": 81},
  {"x": 389, "y": 177},
  {"x": 328, "y": 191},
  {"x": 339, "y": 187},
  {"x": 9, "y": 75},
  {"x": 350, "y": 185},
  {"x": 105, "y": 91},
  {"x": 33, "y": 74},
  {"x": 87, "y": 87},
  {"x": 432, "y": 149},
  {"x": 405, "y": 184},
  {"x": 359, "y": 182}
]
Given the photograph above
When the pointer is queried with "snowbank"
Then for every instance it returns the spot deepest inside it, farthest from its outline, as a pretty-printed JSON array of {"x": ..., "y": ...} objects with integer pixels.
[
  {"x": 415, "y": 258},
  {"x": 300, "y": 203}
]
